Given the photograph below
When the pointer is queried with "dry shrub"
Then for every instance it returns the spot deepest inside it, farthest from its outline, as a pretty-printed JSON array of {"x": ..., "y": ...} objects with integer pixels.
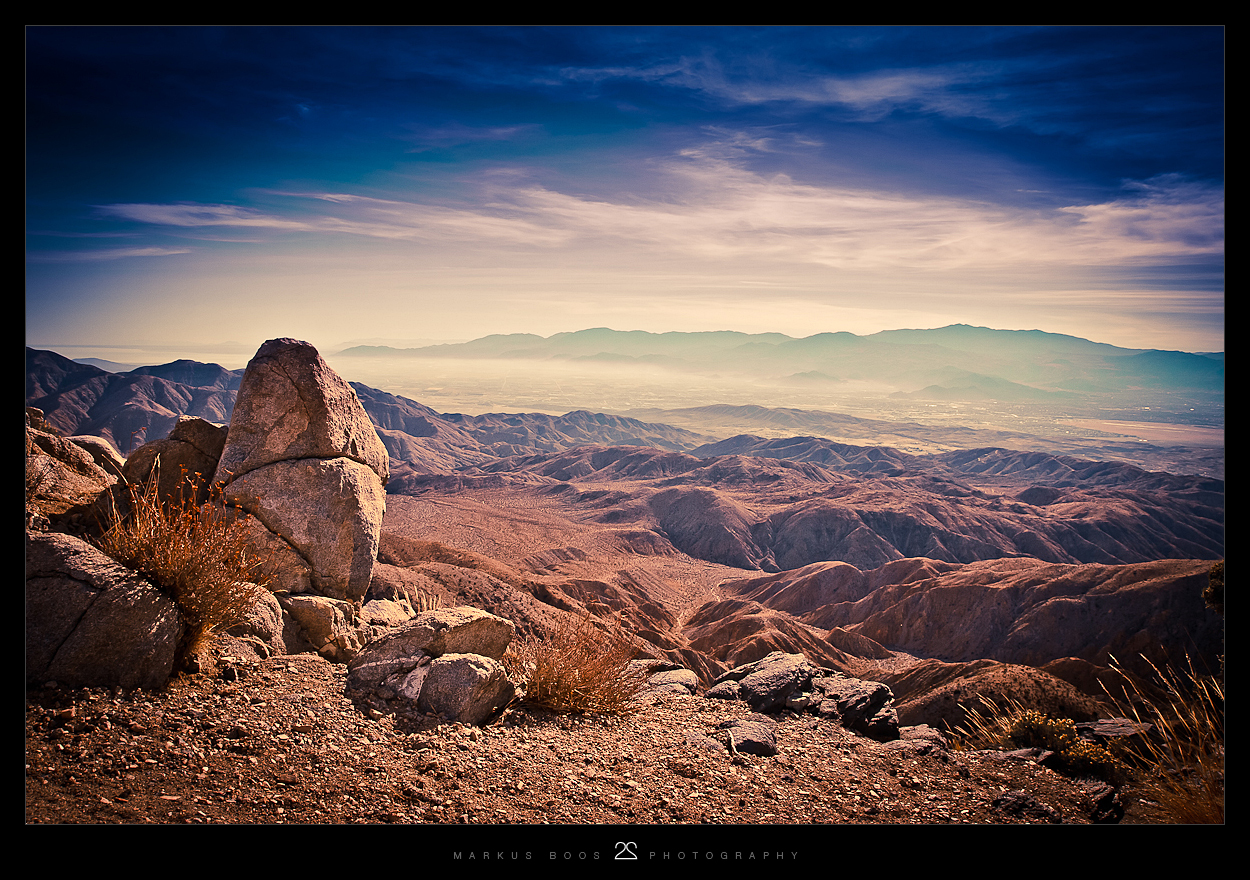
[
  {"x": 579, "y": 668},
  {"x": 196, "y": 555},
  {"x": 1012, "y": 726},
  {"x": 1180, "y": 765}
]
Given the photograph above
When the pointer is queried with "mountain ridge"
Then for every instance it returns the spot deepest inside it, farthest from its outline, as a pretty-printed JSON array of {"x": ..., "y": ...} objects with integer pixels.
[{"x": 995, "y": 364}]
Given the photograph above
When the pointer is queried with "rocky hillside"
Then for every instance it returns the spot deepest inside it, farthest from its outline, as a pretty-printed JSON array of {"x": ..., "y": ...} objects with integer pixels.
[
  {"x": 277, "y": 742},
  {"x": 871, "y": 505},
  {"x": 127, "y": 409}
]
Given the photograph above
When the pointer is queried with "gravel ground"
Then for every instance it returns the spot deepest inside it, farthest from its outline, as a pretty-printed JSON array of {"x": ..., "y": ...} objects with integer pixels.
[{"x": 277, "y": 741}]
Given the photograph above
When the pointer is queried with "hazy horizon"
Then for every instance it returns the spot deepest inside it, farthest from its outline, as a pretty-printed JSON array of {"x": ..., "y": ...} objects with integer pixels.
[
  {"x": 187, "y": 186},
  {"x": 234, "y": 355},
  {"x": 878, "y": 385}
]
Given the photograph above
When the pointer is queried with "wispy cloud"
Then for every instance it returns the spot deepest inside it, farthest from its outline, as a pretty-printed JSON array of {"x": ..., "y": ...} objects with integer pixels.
[
  {"x": 720, "y": 210},
  {"x": 104, "y": 254},
  {"x": 869, "y": 96},
  {"x": 947, "y": 89},
  {"x": 1165, "y": 212},
  {"x": 189, "y": 214},
  {"x": 456, "y": 134}
]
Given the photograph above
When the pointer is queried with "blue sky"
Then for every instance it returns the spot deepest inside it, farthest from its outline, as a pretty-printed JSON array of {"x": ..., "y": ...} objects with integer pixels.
[{"x": 203, "y": 187}]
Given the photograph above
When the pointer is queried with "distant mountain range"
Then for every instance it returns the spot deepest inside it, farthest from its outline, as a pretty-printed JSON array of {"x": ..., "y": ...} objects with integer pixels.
[
  {"x": 127, "y": 409},
  {"x": 955, "y": 362}
]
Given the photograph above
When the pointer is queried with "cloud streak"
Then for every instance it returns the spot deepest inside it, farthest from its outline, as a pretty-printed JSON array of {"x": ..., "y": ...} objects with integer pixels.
[
  {"x": 720, "y": 210},
  {"x": 104, "y": 254},
  {"x": 187, "y": 214}
]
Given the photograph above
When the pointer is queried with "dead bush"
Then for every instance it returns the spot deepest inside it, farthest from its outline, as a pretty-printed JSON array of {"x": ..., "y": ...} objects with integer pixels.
[
  {"x": 196, "y": 555},
  {"x": 579, "y": 668}
]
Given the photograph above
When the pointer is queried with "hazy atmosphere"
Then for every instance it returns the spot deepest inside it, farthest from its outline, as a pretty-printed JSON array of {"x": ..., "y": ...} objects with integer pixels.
[{"x": 194, "y": 191}]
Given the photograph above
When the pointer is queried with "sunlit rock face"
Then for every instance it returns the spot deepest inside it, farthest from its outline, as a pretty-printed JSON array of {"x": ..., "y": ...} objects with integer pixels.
[
  {"x": 291, "y": 405},
  {"x": 303, "y": 458}
]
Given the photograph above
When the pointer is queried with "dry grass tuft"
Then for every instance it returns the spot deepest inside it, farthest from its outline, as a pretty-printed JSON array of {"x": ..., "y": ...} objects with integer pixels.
[
  {"x": 1180, "y": 765},
  {"x": 580, "y": 668},
  {"x": 196, "y": 555},
  {"x": 989, "y": 726},
  {"x": 1012, "y": 726},
  {"x": 424, "y": 601}
]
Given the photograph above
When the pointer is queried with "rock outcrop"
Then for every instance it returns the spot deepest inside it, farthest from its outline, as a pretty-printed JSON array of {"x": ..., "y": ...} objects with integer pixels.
[
  {"x": 292, "y": 406},
  {"x": 184, "y": 461},
  {"x": 445, "y": 662},
  {"x": 102, "y": 453},
  {"x": 62, "y": 478},
  {"x": 788, "y": 681},
  {"x": 303, "y": 459}
]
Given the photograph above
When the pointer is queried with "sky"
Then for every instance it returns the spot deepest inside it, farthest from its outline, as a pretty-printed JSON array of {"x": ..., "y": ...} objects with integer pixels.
[{"x": 206, "y": 189}]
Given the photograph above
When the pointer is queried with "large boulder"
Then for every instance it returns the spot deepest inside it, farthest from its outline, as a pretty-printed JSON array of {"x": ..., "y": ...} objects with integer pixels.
[
  {"x": 291, "y": 405},
  {"x": 303, "y": 459},
  {"x": 329, "y": 510},
  {"x": 288, "y": 570},
  {"x": 91, "y": 622}
]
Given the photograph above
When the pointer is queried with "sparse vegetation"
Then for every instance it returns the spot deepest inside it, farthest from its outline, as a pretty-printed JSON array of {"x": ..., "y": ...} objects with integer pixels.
[
  {"x": 1214, "y": 592},
  {"x": 423, "y": 601},
  {"x": 1180, "y": 765},
  {"x": 1015, "y": 727},
  {"x": 579, "y": 668},
  {"x": 198, "y": 556}
]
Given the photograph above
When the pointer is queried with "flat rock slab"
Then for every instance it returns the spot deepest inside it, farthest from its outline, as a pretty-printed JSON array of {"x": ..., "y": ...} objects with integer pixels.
[{"x": 674, "y": 681}]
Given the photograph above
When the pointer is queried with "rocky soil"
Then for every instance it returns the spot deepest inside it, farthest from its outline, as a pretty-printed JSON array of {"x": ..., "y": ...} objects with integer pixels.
[{"x": 277, "y": 741}]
